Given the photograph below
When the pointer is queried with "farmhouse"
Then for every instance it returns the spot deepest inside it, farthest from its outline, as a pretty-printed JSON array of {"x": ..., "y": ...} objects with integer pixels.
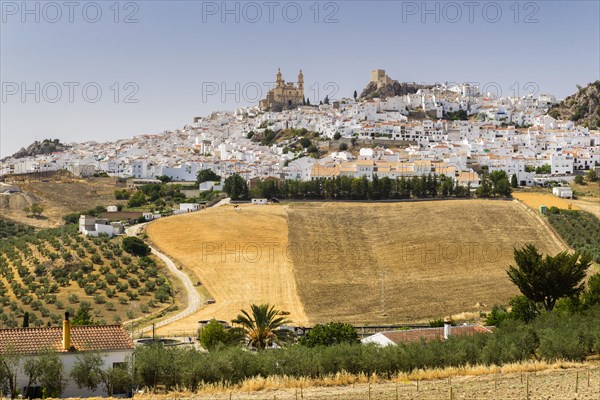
[
  {"x": 111, "y": 341},
  {"x": 259, "y": 201},
  {"x": 92, "y": 226},
  {"x": 393, "y": 338}
]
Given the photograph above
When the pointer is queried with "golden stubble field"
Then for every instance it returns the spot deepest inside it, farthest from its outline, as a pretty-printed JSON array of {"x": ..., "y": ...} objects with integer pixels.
[
  {"x": 239, "y": 257},
  {"x": 363, "y": 263}
]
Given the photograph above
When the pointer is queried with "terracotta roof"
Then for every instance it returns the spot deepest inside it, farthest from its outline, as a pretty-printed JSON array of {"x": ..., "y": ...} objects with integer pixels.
[
  {"x": 416, "y": 335},
  {"x": 90, "y": 337}
]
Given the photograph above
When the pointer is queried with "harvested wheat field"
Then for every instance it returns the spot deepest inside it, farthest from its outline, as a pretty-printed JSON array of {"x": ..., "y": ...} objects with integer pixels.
[
  {"x": 239, "y": 257},
  {"x": 535, "y": 200},
  {"x": 363, "y": 263}
]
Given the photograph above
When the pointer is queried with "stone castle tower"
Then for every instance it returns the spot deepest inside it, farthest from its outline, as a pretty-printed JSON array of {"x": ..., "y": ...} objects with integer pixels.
[{"x": 284, "y": 95}]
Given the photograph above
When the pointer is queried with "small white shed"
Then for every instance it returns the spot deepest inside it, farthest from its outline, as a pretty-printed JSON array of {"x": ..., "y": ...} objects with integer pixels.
[{"x": 259, "y": 201}]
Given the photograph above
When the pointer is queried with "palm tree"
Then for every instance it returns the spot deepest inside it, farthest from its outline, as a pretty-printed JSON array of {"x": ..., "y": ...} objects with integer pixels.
[{"x": 259, "y": 325}]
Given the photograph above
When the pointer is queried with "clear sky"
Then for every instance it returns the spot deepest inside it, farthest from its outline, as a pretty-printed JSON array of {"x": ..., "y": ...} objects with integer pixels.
[{"x": 158, "y": 64}]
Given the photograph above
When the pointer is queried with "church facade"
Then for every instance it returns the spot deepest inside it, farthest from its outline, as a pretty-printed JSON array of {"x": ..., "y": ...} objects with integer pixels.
[{"x": 284, "y": 95}]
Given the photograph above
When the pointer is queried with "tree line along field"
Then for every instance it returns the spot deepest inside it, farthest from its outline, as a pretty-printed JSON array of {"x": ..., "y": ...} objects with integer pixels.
[
  {"x": 362, "y": 263},
  {"x": 48, "y": 271}
]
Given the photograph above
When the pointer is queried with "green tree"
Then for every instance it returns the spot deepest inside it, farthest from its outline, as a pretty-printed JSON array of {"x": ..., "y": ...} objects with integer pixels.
[
  {"x": 37, "y": 209},
  {"x": 547, "y": 279},
  {"x": 591, "y": 296},
  {"x": 485, "y": 188},
  {"x": 52, "y": 378},
  {"x": 343, "y": 147},
  {"x": 523, "y": 309},
  {"x": 83, "y": 316},
  {"x": 579, "y": 180},
  {"x": 259, "y": 325},
  {"x": 330, "y": 334},
  {"x": 137, "y": 199},
  {"x": 513, "y": 181},
  {"x": 136, "y": 246},
  {"x": 213, "y": 335},
  {"x": 87, "y": 370},
  {"x": 9, "y": 367},
  {"x": 337, "y": 136},
  {"x": 355, "y": 95},
  {"x": 591, "y": 176},
  {"x": 207, "y": 175},
  {"x": 236, "y": 187}
]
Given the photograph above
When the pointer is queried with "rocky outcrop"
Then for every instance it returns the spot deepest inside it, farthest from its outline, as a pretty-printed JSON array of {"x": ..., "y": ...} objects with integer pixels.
[
  {"x": 47, "y": 146},
  {"x": 582, "y": 107},
  {"x": 390, "y": 90}
]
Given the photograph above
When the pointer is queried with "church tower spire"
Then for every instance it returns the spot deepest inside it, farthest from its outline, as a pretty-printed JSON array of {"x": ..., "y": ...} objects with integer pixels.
[
  {"x": 301, "y": 82},
  {"x": 279, "y": 78}
]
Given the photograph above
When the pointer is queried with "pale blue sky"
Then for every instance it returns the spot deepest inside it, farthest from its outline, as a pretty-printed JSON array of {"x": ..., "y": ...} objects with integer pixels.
[{"x": 176, "y": 51}]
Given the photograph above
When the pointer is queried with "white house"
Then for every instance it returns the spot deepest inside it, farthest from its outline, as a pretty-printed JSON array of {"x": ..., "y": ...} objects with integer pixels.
[
  {"x": 210, "y": 185},
  {"x": 259, "y": 201},
  {"x": 112, "y": 342},
  {"x": 189, "y": 207},
  {"x": 561, "y": 164},
  {"x": 393, "y": 338},
  {"x": 564, "y": 192},
  {"x": 92, "y": 226}
]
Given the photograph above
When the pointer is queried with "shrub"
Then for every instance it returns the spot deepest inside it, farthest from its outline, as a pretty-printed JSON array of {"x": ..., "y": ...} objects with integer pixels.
[
  {"x": 212, "y": 335},
  {"x": 135, "y": 246},
  {"x": 330, "y": 334}
]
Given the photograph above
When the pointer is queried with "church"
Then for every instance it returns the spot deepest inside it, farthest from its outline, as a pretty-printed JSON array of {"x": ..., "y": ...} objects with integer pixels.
[{"x": 284, "y": 95}]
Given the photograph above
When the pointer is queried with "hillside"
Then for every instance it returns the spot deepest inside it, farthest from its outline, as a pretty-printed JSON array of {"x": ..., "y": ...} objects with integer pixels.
[
  {"x": 59, "y": 197},
  {"x": 46, "y": 146},
  {"x": 582, "y": 107},
  {"x": 355, "y": 262},
  {"x": 46, "y": 272}
]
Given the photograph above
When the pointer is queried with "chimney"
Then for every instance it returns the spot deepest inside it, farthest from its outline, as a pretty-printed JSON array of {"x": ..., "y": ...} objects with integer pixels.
[
  {"x": 447, "y": 328},
  {"x": 66, "y": 341}
]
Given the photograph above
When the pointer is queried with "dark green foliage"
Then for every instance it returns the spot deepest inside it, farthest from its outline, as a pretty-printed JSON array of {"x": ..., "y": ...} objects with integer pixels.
[
  {"x": 83, "y": 315},
  {"x": 496, "y": 316},
  {"x": 236, "y": 187},
  {"x": 547, "y": 279},
  {"x": 213, "y": 335},
  {"x": 207, "y": 175},
  {"x": 330, "y": 334},
  {"x": 580, "y": 229},
  {"x": 552, "y": 336},
  {"x": 136, "y": 246},
  {"x": 523, "y": 309},
  {"x": 347, "y": 188}
]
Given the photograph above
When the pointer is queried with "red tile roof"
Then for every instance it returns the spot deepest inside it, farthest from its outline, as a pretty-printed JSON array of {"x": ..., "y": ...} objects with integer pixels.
[
  {"x": 90, "y": 337},
  {"x": 428, "y": 334}
]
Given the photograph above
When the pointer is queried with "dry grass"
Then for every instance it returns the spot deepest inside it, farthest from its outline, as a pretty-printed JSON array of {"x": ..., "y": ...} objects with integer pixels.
[
  {"x": 64, "y": 196},
  {"x": 404, "y": 262},
  {"x": 536, "y": 199},
  {"x": 323, "y": 261},
  {"x": 545, "y": 381},
  {"x": 238, "y": 256}
]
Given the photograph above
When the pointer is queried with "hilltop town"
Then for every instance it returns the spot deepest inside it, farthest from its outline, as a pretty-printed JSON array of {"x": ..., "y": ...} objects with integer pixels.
[{"x": 441, "y": 129}]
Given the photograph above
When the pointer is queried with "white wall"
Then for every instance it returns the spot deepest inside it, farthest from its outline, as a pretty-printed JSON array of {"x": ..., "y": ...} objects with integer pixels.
[{"x": 68, "y": 360}]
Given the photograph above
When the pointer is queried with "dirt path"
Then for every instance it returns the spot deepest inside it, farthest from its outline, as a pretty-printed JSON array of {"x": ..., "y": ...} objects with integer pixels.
[{"x": 194, "y": 301}]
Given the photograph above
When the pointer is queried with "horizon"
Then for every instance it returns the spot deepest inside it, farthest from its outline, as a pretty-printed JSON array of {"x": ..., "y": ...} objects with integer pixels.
[{"x": 165, "y": 58}]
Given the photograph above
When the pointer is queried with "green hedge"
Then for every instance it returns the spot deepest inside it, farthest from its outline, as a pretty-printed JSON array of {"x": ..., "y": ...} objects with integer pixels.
[{"x": 551, "y": 337}]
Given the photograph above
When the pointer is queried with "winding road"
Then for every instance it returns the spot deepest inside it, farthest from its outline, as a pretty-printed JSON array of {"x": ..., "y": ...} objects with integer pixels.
[{"x": 194, "y": 301}]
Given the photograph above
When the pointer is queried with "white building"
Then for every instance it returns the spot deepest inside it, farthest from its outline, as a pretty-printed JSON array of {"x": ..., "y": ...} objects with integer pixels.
[
  {"x": 561, "y": 164},
  {"x": 563, "y": 192},
  {"x": 112, "y": 342},
  {"x": 92, "y": 226}
]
